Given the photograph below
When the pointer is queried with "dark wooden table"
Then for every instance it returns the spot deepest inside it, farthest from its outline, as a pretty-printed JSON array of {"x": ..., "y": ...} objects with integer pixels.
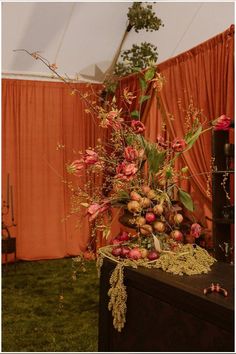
[{"x": 170, "y": 313}]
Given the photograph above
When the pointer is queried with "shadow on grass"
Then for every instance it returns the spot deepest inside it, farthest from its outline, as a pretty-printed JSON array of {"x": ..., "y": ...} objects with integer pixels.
[{"x": 45, "y": 310}]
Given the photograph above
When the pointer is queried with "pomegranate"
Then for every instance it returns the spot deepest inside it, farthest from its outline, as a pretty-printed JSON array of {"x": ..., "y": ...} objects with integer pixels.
[
  {"x": 135, "y": 253},
  {"x": 178, "y": 218},
  {"x": 116, "y": 251},
  {"x": 124, "y": 251},
  {"x": 153, "y": 255},
  {"x": 135, "y": 196},
  {"x": 124, "y": 236},
  {"x": 159, "y": 226},
  {"x": 140, "y": 221},
  {"x": 144, "y": 252},
  {"x": 146, "y": 229},
  {"x": 116, "y": 241},
  {"x": 151, "y": 194},
  {"x": 133, "y": 206},
  {"x": 150, "y": 217},
  {"x": 177, "y": 235},
  {"x": 146, "y": 189},
  {"x": 145, "y": 202},
  {"x": 158, "y": 209}
]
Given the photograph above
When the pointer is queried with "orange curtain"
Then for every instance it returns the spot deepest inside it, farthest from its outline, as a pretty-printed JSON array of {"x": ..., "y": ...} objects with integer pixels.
[
  {"x": 204, "y": 78},
  {"x": 38, "y": 119}
]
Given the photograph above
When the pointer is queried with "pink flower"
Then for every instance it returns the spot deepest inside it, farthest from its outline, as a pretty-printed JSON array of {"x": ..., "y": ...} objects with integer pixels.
[
  {"x": 137, "y": 126},
  {"x": 178, "y": 145},
  {"x": 130, "y": 153},
  {"x": 161, "y": 142},
  {"x": 195, "y": 230},
  {"x": 114, "y": 119},
  {"x": 75, "y": 167},
  {"x": 128, "y": 96},
  {"x": 95, "y": 209},
  {"x": 222, "y": 123},
  {"x": 91, "y": 157},
  {"x": 126, "y": 171}
]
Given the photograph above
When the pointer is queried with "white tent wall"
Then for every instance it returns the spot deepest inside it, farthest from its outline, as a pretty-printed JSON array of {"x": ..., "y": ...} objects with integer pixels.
[{"x": 78, "y": 35}]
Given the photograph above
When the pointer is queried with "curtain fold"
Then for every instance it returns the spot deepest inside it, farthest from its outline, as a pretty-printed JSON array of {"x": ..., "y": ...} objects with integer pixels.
[
  {"x": 43, "y": 126},
  {"x": 201, "y": 78}
]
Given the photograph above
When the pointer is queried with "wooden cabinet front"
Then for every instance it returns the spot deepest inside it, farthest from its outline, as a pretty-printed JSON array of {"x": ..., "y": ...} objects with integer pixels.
[{"x": 169, "y": 313}]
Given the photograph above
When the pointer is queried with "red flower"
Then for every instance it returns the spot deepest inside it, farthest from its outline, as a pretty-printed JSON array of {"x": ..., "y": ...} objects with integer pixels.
[
  {"x": 178, "y": 145},
  {"x": 128, "y": 96},
  {"x": 126, "y": 171},
  {"x": 75, "y": 167},
  {"x": 222, "y": 123},
  {"x": 95, "y": 209},
  {"x": 195, "y": 230},
  {"x": 114, "y": 119},
  {"x": 137, "y": 126},
  {"x": 161, "y": 142},
  {"x": 91, "y": 157},
  {"x": 130, "y": 153}
]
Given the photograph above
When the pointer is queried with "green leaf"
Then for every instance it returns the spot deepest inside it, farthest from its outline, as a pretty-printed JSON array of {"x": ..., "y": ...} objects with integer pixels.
[
  {"x": 135, "y": 114},
  {"x": 143, "y": 98},
  {"x": 149, "y": 74},
  {"x": 186, "y": 199},
  {"x": 155, "y": 158},
  {"x": 123, "y": 195},
  {"x": 143, "y": 84},
  {"x": 190, "y": 140}
]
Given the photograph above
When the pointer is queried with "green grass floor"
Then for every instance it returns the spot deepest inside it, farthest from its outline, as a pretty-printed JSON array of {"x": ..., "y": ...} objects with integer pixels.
[{"x": 45, "y": 310}]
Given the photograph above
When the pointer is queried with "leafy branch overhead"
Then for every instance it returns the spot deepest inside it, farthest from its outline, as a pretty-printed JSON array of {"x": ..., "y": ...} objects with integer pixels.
[{"x": 141, "y": 16}]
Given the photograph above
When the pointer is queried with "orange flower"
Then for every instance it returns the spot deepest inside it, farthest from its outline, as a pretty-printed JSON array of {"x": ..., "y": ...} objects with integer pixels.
[{"x": 128, "y": 96}]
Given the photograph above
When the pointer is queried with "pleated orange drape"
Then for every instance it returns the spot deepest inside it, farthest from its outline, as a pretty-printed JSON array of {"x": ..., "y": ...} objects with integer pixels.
[
  {"x": 38, "y": 119},
  {"x": 203, "y": 77}
]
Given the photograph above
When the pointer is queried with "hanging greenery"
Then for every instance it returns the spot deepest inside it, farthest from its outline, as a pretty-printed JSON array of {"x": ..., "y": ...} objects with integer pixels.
[
  {"x": 137, "y": 57},
  {"x": 140, "y": 16}
]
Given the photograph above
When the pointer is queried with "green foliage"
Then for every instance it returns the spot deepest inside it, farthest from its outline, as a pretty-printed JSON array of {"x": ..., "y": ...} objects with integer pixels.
[
  {"x": 143, "y": 99},
  {"x": 135, "y": 114},
  {"x": 149, "y": 74},
  {"x": 155, "y": 158},
  {"x": 44, "y": 310},
  {"x": 186, "y": 199},
  {"x": 141, "y": 16},
  {"x": 192, "y": 137},
  {"x": 139, "y": 56}
]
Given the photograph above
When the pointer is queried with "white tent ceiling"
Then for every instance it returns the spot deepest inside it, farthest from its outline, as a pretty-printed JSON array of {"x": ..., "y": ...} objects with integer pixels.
[{"x": 78, "y": 35}]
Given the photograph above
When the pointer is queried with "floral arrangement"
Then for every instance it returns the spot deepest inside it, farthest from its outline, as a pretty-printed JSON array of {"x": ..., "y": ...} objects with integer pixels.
[{"x": 138, "y": 179}]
